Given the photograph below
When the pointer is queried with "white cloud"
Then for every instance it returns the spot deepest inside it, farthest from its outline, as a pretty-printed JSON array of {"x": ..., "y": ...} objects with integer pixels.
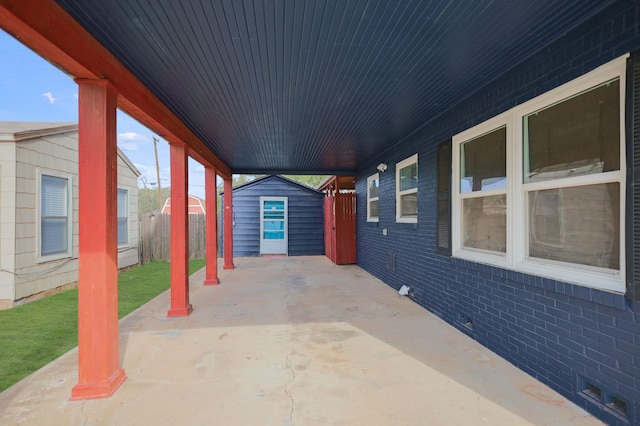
[
  {"x": 50, "y": 97},
  {"x": 128, "y": 146},
  {"x": 130, "y": 141},
  {"x": 130, "y": 136}
]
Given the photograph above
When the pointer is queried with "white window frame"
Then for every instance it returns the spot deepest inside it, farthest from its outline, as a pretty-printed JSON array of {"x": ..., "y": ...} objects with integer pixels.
[
  {"x": 517, "y": 190},
  {"x": 399, "y": 166},
  {"x": 499, "y": 259},
  {"x": 126, "y": 190},
  {"x": 370, "y": 218},
  {"x": 40, "y": 258}
]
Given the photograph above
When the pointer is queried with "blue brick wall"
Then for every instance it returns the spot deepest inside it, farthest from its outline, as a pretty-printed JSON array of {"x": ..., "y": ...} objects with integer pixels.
[
  {"x": 555, "y": 331},
  {"x": 305, "y": 216}
]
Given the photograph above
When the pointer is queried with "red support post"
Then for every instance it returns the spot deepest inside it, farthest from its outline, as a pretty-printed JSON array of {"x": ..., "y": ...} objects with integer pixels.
[
  {"x": 228, "y": 224},
  {"x": 180, "y": 305},
  {"x": 211, "y": 226},
  {"x": 99, "y": 372}
]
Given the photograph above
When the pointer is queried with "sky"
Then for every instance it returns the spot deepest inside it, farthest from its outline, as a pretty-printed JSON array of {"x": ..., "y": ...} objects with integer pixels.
[{"x": 31, "y": 89}]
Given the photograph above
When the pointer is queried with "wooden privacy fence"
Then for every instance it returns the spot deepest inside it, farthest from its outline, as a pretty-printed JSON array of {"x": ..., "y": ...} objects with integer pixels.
[{"x": 155, "y": 237}]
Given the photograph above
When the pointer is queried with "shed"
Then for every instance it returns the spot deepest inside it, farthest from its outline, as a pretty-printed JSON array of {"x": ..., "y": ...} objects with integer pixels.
[
  {"x": 194, "y": 204},
  {"x": 275, "y": 215}
]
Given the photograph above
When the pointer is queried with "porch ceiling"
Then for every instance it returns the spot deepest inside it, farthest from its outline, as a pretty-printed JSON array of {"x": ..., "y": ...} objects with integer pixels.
[{"x": 319, "y": 86}]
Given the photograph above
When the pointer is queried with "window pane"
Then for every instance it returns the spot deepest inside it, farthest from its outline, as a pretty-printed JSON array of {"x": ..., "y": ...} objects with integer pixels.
[
  {"x": 123, "y": 237},
  {"x": 273, "y": 210},
  {"x": 53, "y": 236},
  {"x": 54, "y": 196},
  {"x": 576, "y": 137},
  {"x": 373, "y": 208},
  {"x": 123, "y": 232},
  {"x": 578, "y": 225},
  {"x": 53, "y": 215},
  {"x": 373, "y": 188},
  {"x": 274, "y": 215},
  {"x": 483, "y": 162},
  {"x": 273, "y": 225},
  {"x": 409, "y": 205},
  {"x": 274, "y": 205},
  {"x": 274, "y": 235},
  {"x": 122, "y": 202},
  {"x": 409, "y": 177},
  {"x": 485, "y": 223}
]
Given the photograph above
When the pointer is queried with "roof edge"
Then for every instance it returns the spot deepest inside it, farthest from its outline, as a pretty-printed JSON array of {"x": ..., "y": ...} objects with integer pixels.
[
  {"x": 266, "y": 177},
  {"x": 128, "y": 162},
  {"x": 47, "y": 129}
]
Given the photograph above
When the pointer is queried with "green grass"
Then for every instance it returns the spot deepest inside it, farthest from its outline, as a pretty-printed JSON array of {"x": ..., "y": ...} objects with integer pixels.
[{"x": 34, "y": 334}]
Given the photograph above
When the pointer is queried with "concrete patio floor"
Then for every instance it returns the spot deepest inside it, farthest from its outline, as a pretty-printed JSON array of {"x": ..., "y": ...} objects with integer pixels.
[{"x": 294, "y": 341}]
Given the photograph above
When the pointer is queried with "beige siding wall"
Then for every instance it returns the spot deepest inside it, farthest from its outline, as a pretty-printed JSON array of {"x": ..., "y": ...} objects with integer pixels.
[
  {"x": 127, "y": 179},
  {"x": 56, "y": 154},
  {"x": 7, "y": 220}
]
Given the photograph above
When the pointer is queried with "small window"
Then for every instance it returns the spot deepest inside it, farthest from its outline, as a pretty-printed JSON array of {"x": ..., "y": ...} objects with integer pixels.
[
  {"x": 407, "y": 190},
  {"x": 55, "y": 219},
  {"x": 373, "y": 195},
  {"x": 123, "y": 217}
]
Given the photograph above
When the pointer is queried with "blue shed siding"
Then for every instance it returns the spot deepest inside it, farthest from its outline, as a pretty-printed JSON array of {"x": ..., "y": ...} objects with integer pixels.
[
  {"x": 305, "y": 217},
  {"x": 555, "y": 331}
]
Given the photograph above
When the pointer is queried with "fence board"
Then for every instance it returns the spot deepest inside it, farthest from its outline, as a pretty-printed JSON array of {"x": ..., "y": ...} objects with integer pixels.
[{"x": 155, "y": 237}]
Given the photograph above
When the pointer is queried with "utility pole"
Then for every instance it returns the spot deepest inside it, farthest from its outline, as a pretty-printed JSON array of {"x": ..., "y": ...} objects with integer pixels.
[{"x": 155, "y": 148}]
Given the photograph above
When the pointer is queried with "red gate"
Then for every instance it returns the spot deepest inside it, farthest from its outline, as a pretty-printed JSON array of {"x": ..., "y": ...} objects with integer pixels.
[
  {"x": 340, "y": 225},
  {"x": 329, "y": 227}
]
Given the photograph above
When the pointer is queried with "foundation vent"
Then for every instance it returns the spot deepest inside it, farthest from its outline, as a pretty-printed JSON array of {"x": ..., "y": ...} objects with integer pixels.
[
  {"x": 606, "y": 400},
  {"x": 465, "y": 321},
  {"x": 391, "y": 261}
]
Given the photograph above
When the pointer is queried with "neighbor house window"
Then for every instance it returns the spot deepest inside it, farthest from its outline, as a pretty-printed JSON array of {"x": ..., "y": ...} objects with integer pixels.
[
  {"x": 54, "y": 221},
  {"x": 373, "y": 195},
  {"x": 407, "y": 190},
  {"x": 123, "y": 217},
  {"x": 540, "y": 188}
]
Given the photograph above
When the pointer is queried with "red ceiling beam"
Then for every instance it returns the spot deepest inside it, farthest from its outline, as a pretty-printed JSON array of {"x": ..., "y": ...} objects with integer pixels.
[{"x": 47, "y": 29}]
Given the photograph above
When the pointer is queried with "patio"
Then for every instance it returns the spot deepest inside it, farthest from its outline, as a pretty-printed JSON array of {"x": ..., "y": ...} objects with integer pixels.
[{"x": 288, "y": 341}]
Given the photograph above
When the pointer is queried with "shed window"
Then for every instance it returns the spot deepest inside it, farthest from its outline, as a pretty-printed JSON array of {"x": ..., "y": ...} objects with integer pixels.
[
  {"x": 540, "y": 188},
  {"x": 55, "y": 218},
  {"x": 373, "y": 196},
  {"x": 123, "y": 217},
  {"x": 407, "y": 190}
]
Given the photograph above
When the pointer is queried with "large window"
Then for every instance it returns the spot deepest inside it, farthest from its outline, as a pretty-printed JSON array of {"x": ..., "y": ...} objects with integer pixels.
[
  {"x": 540, "y": 188},
  {"x": 123, "y": 217},
  {"x": 407, "y": 190},
  {"x": 373, "y": 195},
  {"x": 54, "y": 222}
]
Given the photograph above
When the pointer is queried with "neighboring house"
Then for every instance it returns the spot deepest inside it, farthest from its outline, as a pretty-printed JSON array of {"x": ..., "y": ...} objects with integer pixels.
[
  {"x": 39, "y": 209},
  {"x": 275, "y": 215},
  {"x": 195, "y": 204}
]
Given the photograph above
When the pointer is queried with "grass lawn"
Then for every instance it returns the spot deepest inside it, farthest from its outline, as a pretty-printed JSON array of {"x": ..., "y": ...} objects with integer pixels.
[{"x": 34, "y": 334}]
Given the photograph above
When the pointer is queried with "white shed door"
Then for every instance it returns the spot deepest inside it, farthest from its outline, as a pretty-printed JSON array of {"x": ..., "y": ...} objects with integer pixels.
[{"x": 273, "y": 225}]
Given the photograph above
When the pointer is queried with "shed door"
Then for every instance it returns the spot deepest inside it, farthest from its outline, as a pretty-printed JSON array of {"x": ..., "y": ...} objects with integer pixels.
[{"x": 273, "y": 225}]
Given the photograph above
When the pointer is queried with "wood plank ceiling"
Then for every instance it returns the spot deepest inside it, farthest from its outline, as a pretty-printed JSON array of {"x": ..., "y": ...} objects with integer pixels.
[{"x": 319, "y": 86}]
